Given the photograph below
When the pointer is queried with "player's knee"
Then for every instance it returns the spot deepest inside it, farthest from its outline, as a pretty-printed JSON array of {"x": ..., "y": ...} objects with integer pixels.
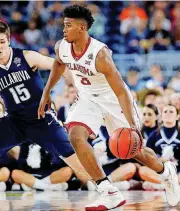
[
  {"x": 67, "y": 172},
  {"x": 4, "y": 174},
  {"x": 16, "y": 175},
  {"x": 143, "y": 172},
  {"x": 77, "y": 135},
  {"x": 131, "y": 170}
]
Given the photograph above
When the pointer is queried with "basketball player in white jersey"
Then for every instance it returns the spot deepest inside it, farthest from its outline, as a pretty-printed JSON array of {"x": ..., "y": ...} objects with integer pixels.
[{"x": 103, "y": 98}]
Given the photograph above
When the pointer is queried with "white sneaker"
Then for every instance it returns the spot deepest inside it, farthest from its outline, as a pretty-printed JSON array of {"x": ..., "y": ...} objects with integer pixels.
[
  {"x": 153, "y": 186},
  {"x": 172, "y": 185},
  {"x": 122, "y": 185},
  {"x": 109, "y": 199}
]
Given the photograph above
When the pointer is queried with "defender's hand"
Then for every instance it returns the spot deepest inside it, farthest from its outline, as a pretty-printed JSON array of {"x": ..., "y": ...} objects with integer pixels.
[{"x": 45, "y": 99}]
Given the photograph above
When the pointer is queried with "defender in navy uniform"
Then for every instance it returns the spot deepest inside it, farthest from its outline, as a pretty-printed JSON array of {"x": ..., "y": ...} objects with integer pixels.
[{"x": 21, "y": 88}]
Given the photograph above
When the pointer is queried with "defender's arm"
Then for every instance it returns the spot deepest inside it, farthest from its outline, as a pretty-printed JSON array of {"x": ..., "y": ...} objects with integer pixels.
[{"x": 37, "y": 60}]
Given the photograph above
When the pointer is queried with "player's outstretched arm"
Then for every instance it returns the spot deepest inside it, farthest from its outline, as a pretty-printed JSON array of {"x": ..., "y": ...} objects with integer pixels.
[
  {"x": 105, "y": 65},
  {"x": 37, "y": 60},
  {"x": 57, "y": 71}
]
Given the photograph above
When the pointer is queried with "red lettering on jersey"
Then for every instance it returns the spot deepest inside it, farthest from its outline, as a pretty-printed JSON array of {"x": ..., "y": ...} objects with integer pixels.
[
  {"x": 75, "y": 67},
  {"x": 84, "y": 80},
  {"x": 82, "y": 69}
]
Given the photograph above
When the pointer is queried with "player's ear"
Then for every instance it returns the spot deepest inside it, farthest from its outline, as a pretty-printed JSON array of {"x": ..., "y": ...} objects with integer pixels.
[{"x": 82, "y": 28}]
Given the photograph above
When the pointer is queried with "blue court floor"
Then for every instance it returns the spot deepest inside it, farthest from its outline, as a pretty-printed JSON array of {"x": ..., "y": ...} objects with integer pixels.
[{"x": 76, "y": 200}]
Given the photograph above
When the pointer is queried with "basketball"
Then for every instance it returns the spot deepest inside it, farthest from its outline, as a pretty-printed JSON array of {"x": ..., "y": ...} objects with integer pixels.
[{"x": 125, "y": 143}]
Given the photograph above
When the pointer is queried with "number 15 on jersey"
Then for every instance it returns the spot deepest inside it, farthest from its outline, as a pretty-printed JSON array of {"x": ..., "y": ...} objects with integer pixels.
[{"x": 20, "y": 93}]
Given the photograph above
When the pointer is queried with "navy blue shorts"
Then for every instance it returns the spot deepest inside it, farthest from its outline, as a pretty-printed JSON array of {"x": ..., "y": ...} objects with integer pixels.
[
  {"x": 45, "y": 132},
  {"x": 6, "y": 161}
]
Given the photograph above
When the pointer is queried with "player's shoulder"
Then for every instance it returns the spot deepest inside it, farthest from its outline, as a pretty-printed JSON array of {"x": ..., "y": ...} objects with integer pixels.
[
  {"x": 96, "y": 42},
  {"x": 100, "y": 48},
  {"x": 57, "y": 45},
  {"x": 17, "y": 51}
]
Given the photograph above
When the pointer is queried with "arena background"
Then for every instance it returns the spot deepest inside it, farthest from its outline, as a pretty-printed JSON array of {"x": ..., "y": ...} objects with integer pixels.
[{"x": 126, "y": 28}]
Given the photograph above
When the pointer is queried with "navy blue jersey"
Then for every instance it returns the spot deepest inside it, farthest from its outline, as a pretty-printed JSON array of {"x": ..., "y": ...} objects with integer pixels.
[
  {"x": 20, "y": 87},
  {"x": 166, "y": 143},
  {"x": 146, "y": 131}
]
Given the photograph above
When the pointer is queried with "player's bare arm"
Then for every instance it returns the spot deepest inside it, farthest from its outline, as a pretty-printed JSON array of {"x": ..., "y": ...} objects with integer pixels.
[
  {"x": 57, "y": 71},
  {"x": 37, "y": 60},
  {"x": 105, "y": 65}
]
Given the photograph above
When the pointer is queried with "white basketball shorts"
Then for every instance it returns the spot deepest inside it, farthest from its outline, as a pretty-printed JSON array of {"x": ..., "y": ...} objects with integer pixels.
[{"x": 92, "y": 111}]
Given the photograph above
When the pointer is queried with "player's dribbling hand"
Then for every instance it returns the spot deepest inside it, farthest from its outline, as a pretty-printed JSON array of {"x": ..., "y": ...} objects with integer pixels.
[
  {"x": 45, "y": 99},
  {"x": 139, "y": 133}
]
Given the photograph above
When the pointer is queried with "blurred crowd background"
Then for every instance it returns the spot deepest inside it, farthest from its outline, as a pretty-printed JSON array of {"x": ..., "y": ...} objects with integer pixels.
[
  {"x": 140, "y": 34},
  {"x": 145, "y": 40}
]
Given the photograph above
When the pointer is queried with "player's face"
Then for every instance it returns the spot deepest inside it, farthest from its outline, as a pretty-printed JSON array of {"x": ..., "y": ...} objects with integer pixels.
[
  {"x": 73, "y": 28},
  {"x": 149, "y": 117},
  {"x": 169, "y": 115},
  {"x": 4, "y": 46}
]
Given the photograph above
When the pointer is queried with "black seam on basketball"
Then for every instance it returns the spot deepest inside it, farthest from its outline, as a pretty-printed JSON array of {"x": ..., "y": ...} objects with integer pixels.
[
  {"x": 129, "y": 144},
  {"x": 118, "y": 142}
]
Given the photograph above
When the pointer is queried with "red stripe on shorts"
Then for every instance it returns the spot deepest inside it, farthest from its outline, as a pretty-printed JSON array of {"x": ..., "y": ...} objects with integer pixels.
[{"x": 72, "y": 124}]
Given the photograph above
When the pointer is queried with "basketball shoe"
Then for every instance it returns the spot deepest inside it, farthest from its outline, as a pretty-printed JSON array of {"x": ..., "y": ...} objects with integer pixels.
[
  {"x": 171, "y": 184},
  {"x": 110, "y": 198}
]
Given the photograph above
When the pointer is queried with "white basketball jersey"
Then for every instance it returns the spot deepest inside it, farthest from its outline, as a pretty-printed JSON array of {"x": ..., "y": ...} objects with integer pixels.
[{"x": 87, "y": 78}]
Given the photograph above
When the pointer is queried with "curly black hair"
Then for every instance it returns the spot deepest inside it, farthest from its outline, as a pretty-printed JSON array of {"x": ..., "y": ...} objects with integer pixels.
[{"x": 79, "y": 12}]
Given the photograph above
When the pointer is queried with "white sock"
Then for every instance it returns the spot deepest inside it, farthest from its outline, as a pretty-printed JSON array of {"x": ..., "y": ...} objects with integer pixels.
[
  {"x": 165, "y": 173},
  {"x": 47, "y": 180},
  {"x": 39, "y": 184}
]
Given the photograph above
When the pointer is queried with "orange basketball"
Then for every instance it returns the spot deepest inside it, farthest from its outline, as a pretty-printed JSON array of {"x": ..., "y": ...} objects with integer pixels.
[{"x": 125, "y": 143}]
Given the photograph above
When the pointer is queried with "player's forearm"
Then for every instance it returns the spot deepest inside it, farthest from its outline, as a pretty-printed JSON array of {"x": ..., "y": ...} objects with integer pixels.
[
  {"x": 127, "y": 106},
  {"x": 55, "y": 74},
  {"x": 68, "y": 77}
]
